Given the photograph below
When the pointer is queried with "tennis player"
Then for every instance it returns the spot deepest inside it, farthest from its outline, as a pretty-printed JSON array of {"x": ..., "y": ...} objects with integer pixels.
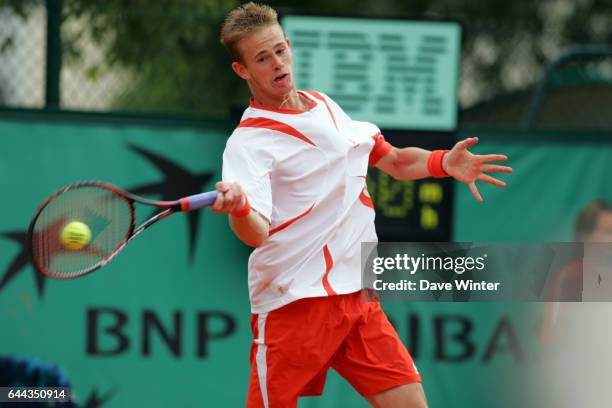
[{"x": 294, "y": 184}]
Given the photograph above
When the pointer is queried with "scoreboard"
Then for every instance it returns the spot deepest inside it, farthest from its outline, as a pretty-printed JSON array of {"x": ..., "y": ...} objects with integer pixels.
[
  {"x": 403, "y": 76},
  {"x": 412, "y": 210},
  {"x": 398, "y": 74}
]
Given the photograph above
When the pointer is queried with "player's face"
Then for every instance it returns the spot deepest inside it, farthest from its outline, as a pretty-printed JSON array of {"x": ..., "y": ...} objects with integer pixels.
[
  {"x": 266, "y": 62},
  {"x": 603, "y": 229}
]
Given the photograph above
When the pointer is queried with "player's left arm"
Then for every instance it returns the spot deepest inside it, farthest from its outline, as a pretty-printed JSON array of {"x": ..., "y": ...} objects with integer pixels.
[
  {"x": 409, "y": 163},
  {"x": 412, "y": 163}
]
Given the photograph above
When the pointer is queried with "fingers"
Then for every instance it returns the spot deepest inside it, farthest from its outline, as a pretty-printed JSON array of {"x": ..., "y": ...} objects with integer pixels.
[
  {"x": 495, "y": 168},
  {"x": 230, "y": 197},
  {"x": 475, "y": 192},
  {"x": 492, "y": 157},
  {"x": 492, "y": 180},
  {"x": 221, "y": 188},
  {"x": 465, "y": 143}
]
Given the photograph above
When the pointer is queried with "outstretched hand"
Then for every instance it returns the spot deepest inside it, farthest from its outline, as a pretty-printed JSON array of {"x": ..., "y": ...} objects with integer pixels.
[{"x": 466, "y": 167}]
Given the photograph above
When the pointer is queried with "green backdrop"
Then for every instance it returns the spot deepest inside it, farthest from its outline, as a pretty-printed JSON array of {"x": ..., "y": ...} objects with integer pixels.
[
  {"x": 180, "y": 301},
  {"x": 555, "y": 175}
]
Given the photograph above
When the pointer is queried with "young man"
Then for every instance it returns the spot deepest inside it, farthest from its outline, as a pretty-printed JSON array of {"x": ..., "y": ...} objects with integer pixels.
[{"x": 294, "y": 175}]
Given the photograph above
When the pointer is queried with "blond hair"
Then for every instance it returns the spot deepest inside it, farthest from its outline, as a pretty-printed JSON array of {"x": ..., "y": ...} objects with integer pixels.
[{"x": 244, "y": 20}]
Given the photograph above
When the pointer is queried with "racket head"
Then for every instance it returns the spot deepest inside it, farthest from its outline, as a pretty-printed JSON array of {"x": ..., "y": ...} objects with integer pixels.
[{"x": 107, "y": 213}]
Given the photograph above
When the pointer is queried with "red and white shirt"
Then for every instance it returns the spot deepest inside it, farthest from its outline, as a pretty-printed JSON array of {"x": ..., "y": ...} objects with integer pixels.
[{"x": 305, "y": 172}]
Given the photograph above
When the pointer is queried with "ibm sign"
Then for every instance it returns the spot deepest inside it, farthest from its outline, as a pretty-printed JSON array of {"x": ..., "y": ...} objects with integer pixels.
[{"x": 399, "y": 74}]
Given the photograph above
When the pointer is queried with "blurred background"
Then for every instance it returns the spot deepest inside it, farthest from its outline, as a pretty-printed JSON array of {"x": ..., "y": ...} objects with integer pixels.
[{"x": 141, "y": 94}]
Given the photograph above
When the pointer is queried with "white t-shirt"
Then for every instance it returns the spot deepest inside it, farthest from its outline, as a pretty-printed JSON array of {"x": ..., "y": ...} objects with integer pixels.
[{"x": 305, "y": 172}]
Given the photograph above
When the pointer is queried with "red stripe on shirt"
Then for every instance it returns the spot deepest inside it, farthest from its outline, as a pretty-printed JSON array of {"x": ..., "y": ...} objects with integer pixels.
[
  {"x": 367, "y": 201},
  {"x": 291, "y": 221},
  {"x": 329, "y": 264},
  {"x": 381, "y": 148},
  {"x": 272, "y": 124},
  {"x": 321, "y": 98}
]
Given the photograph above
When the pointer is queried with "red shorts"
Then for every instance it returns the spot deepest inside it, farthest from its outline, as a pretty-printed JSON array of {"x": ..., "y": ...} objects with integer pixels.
[{"x": 295, "y": 345}]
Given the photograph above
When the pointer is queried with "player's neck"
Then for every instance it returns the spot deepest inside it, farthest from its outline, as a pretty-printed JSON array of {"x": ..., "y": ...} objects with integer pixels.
[{"x": 293, "y": 101}]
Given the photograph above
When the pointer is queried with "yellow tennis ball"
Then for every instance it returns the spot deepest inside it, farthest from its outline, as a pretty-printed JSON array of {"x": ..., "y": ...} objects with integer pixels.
[{"x": 75, "y": 235}]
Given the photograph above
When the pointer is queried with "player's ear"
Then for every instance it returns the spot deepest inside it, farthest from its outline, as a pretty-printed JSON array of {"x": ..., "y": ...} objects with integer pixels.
[
  {"x": 288, "y": 41},
  {"x": 241, "y": 70}
]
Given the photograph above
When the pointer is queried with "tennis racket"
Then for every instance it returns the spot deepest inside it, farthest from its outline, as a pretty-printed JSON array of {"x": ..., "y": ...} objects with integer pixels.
[{"x": 83, "y": 226}]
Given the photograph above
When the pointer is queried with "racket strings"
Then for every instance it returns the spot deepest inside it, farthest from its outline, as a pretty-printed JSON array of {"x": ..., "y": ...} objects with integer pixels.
[{"x": 106, "y": 217}]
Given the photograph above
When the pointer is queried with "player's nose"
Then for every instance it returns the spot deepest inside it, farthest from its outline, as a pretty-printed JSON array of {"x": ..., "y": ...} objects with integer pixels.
[{"x": 277, "y": 62}]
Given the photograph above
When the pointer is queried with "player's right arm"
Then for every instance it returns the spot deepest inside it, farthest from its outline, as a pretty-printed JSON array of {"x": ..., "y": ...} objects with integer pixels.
[
  {"x": 249, "y": 226},
  {"x": 247, "y": 164}
]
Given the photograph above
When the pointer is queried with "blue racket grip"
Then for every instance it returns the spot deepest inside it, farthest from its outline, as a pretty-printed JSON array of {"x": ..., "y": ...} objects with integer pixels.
[{"x": 197, "y": 201}]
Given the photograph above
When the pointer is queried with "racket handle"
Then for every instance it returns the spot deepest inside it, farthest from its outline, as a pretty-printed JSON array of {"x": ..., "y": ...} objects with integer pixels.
[{"x": 197, "y": 201}]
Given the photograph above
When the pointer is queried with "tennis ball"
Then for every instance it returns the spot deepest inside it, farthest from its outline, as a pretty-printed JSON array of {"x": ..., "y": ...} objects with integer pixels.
[{"x": 75, "y": 235}]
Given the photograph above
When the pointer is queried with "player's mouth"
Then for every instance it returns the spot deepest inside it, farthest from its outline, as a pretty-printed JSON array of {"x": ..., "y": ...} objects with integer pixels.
[{"x": 281, "y": 79}]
